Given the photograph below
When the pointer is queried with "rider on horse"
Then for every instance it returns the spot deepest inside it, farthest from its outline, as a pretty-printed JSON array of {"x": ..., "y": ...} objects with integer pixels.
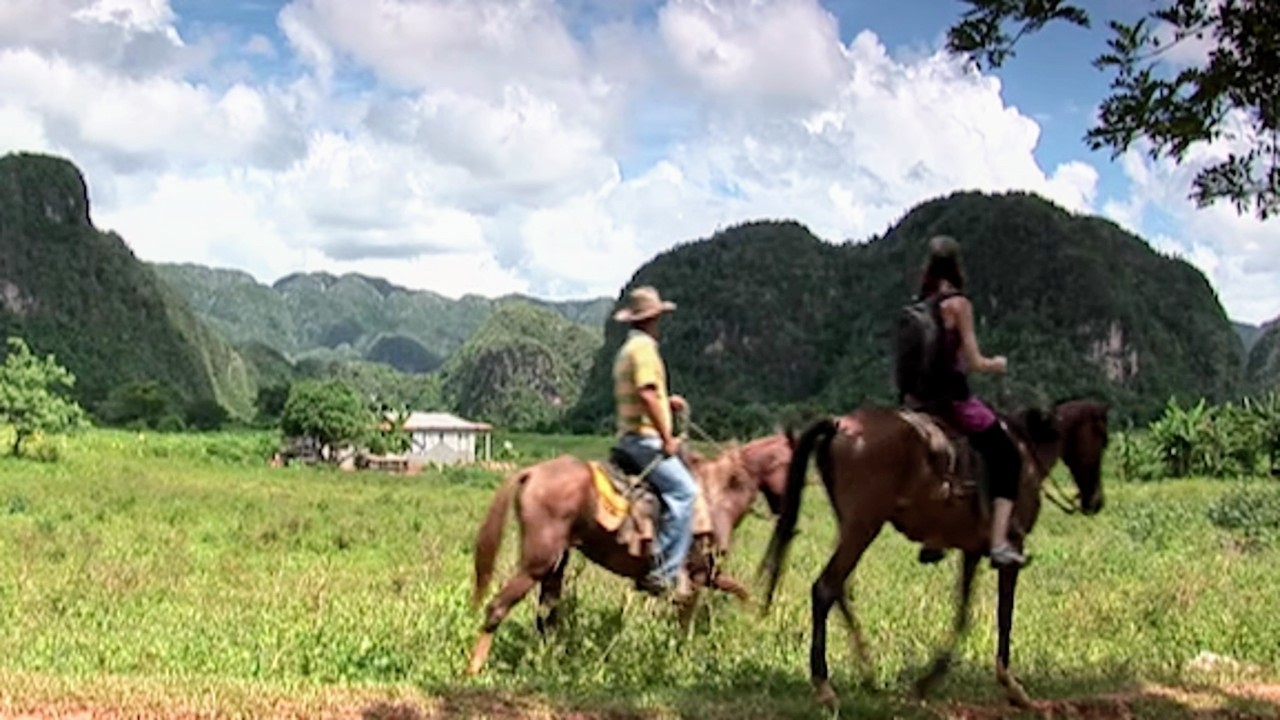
[
  {"x": 954, "y": 402},
  {"x": 646, "y": 435}
]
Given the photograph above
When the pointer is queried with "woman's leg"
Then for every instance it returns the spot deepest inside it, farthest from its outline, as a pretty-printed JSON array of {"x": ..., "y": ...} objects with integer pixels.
[{"x": 1004, "y": 468}]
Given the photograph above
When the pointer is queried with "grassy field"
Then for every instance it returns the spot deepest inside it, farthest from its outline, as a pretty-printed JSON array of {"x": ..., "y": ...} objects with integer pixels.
[{"x": 180, "y": 575}]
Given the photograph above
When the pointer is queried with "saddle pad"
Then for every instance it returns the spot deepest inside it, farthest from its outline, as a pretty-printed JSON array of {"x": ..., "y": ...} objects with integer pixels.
[
  {"x": 612, "y": 507},
  {"x": 634, "y": 518}
]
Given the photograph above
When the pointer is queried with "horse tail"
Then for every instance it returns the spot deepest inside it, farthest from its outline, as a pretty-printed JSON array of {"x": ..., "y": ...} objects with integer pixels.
[
  {"x": 784, "y": 529},
  {"x": 489, "y": 539}
]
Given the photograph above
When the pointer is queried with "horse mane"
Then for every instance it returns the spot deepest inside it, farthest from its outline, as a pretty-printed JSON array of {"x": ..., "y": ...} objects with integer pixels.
[{"x": 1033, "y": 424}]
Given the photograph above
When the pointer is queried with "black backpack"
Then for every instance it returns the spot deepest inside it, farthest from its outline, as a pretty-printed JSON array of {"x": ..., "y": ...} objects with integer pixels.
[{"x": 920, "y": 367}]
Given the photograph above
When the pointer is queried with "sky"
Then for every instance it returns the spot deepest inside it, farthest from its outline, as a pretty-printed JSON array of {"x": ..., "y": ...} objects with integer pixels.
[{"x": 551, "y": 147}]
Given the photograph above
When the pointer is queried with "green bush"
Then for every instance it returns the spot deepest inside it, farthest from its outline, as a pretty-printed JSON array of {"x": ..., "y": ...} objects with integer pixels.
[
  {"x": 1250, "y": 513},
  {"x": 1218, "y": 441}
]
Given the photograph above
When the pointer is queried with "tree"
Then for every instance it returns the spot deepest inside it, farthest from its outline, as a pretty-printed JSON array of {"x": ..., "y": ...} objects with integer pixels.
[
  {"x": 142, "y": 403},
  {"x": 1233, "y": 93},
  {"x": 29, "y": 400},
  {"x": 328, "y": 411}
]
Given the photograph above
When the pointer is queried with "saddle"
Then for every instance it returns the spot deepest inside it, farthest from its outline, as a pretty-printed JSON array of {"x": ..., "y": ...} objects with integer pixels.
[
  {"x": 628, "y": 506},
  {"x": 961, "y": 468}
]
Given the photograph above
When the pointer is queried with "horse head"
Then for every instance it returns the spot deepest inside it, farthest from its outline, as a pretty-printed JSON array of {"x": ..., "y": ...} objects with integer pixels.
[{"x": 1083, "y": 425}]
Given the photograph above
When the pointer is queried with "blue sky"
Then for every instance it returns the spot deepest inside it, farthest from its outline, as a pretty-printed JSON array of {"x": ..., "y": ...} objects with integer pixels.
[{"x": 551, "y": 146}]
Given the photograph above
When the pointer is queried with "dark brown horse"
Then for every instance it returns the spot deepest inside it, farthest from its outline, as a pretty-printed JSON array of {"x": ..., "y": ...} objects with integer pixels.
[
  {"x": 556, "y": 504},
  {"x": 878, "y": 467}
]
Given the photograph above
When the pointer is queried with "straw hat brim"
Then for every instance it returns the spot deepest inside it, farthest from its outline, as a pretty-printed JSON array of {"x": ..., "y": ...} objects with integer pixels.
[{"x": 627, "y": 315}]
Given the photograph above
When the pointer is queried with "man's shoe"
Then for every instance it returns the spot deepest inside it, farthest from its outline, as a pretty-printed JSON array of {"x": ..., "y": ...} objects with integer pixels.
[
  {"x": 1006, "y": 556},
  {"x": 653, "y": 585},
  {"x": 929, "y": 556}
]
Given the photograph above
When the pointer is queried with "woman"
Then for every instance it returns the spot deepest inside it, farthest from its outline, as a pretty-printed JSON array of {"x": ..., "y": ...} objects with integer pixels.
[{"x": 944, "y": 280}]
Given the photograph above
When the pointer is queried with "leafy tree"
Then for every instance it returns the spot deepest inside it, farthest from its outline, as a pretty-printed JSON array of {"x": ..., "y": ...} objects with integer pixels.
[
  {"x": 328, "y": 411},
  {"x": 389, "y": 437},
  {"x": 1235, "y": 85},
  {"x": 29, "y": 399},
  {"x": 142, "y": 403},
  {"x": 270, "y": 402},
  {"x": 205, "y": 414}
]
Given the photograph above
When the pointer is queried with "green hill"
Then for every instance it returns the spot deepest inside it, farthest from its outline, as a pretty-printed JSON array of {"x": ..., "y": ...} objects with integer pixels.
[
  {"x": 522, "y": 369},
  {"x": 80, "y": 294},
  {"x": 773, "y": 321},
  {"x": 1262, "y": 372},
  {"x": 348, "y": 317}
]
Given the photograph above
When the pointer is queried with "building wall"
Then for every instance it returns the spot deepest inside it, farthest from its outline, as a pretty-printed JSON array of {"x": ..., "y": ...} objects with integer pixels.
[{"x": 443, "y": 446}]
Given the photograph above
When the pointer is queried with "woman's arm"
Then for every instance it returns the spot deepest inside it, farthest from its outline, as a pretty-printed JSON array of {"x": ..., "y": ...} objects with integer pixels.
[{"x": 977, "y": 362}]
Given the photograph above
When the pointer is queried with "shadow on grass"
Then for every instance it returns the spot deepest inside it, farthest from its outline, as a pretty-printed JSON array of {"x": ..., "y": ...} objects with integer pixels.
[{"x": 752, "y": 690}]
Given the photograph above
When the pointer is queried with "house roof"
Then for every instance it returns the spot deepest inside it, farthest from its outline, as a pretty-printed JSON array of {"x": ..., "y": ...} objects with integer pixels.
[{"x": 441, "y": 421}]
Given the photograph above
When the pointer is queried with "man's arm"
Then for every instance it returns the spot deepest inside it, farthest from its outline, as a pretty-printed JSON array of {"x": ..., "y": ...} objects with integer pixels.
[{"x": 653, "y": 406}]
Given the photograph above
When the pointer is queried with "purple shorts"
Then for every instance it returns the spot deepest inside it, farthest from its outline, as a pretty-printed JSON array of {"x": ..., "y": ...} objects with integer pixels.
[{"x": 972, "y": 415}]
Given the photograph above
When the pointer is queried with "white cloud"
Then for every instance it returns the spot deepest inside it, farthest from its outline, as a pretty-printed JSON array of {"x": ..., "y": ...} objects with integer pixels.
[
  {"x": 1237, "y": 252},
  {"x": 500, "y": 151}
]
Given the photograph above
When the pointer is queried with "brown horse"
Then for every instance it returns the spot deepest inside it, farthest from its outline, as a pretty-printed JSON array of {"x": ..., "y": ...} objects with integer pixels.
[
  {"x": 556, "y": 504},
  {"x": 879, "y": 466}
]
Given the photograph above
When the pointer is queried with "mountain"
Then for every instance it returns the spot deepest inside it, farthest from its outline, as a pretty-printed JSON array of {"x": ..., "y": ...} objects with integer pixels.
[
  {"x": 81, "y": 294},
  {"x": 1247, "y": 333},
  {"x": 774, "y": 322},
  {"x": 348, "y": 317},
  {"x": 1262, "y": 371},
  {"x": 522, "y": 369}
]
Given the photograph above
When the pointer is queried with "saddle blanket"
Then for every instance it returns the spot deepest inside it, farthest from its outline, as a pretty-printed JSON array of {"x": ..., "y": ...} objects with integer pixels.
[{"x": 630, "y": 509}]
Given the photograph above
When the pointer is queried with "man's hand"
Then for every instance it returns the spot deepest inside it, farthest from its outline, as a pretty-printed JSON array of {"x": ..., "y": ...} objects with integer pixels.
[
  {"x": 678, "y": 404},
  {"x": 671, "y": 446}
]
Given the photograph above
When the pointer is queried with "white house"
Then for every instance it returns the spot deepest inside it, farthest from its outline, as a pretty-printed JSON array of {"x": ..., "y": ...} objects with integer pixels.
[{"x": 437, "y": 437}]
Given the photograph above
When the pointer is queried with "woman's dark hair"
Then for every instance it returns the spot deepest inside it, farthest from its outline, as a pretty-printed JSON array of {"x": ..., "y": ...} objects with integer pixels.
[{"x": 943, "y": 263}]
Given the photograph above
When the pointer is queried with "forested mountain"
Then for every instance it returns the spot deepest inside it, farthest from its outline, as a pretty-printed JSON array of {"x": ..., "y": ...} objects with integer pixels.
[
  {"x": 79, "y": 293},
  {"x": 1263, "y": 369},
  {"x": 349, "y": 317},
  {"x": 1248, "y": 334},
  {"x": 774, "y": 322},
  {"x": 524, "y": 368}
]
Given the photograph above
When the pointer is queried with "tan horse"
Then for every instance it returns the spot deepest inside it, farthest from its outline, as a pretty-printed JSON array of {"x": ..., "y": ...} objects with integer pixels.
[
  {"x": 881, "y": 466},
  {"x": 557, "y": 507}
]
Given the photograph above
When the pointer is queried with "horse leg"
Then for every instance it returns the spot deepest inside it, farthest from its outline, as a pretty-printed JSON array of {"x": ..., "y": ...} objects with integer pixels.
[
  {"x": 540, "y": 553},
  {"x": 727, "y": 583},
  {"x": 942, "y": 661},
  {"x": 829, "y": 590},
  {"x": 1013, "y": 689},
  {"x": 549, "y": 598}
]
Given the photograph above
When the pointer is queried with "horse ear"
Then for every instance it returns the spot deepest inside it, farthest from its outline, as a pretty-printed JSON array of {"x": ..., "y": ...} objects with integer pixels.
[{"x": 1041, "y": 426}]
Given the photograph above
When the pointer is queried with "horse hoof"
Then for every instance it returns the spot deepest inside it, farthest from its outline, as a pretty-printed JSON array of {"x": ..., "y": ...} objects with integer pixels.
[
  {"x": 826, "y": 695},
  {"x": 1013, "y": 690}
]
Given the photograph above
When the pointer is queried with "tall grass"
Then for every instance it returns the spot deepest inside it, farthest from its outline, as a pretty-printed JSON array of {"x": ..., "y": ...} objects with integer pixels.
[{"x": 184, "y": 563}]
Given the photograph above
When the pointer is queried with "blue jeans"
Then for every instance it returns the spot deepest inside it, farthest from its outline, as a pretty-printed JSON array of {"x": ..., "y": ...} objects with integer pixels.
[{"x": 676, "y": 491}]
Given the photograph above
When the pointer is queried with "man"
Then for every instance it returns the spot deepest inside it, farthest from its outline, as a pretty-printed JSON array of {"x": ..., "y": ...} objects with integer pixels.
[{"x": 645, "y": 434}]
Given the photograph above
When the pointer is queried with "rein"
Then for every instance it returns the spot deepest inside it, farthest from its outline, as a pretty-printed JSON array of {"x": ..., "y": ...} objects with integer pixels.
[{"x": 1051, "y": 489}]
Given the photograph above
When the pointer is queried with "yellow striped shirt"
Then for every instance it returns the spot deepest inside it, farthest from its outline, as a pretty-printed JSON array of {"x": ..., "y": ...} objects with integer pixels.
[{"x": 637, "y": 365}]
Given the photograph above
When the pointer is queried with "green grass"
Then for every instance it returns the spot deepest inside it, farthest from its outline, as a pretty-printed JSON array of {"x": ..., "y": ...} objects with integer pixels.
[{"x": 180, "y": 569}]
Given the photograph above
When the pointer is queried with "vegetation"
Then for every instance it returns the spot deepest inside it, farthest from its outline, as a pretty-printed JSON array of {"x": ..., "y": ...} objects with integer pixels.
[
  {"x": 1231, "y": 440},
  {"x": 81, "y": 295},
  {"x": 1263, "y": 370},
  {"x": 329, "y": 412},
  {"x": 351, "y": 317},
  {"x": 177, "y": 573},
  {"x": 521, "y": 370},
  {"x": 31, "y": 400},
  {"x": 1228, "y": 93},
  {"x": 774, "y": 323}
]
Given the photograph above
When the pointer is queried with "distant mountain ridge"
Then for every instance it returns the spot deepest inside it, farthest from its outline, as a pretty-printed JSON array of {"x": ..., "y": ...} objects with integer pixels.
[{"x": 350, "y": 316}]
